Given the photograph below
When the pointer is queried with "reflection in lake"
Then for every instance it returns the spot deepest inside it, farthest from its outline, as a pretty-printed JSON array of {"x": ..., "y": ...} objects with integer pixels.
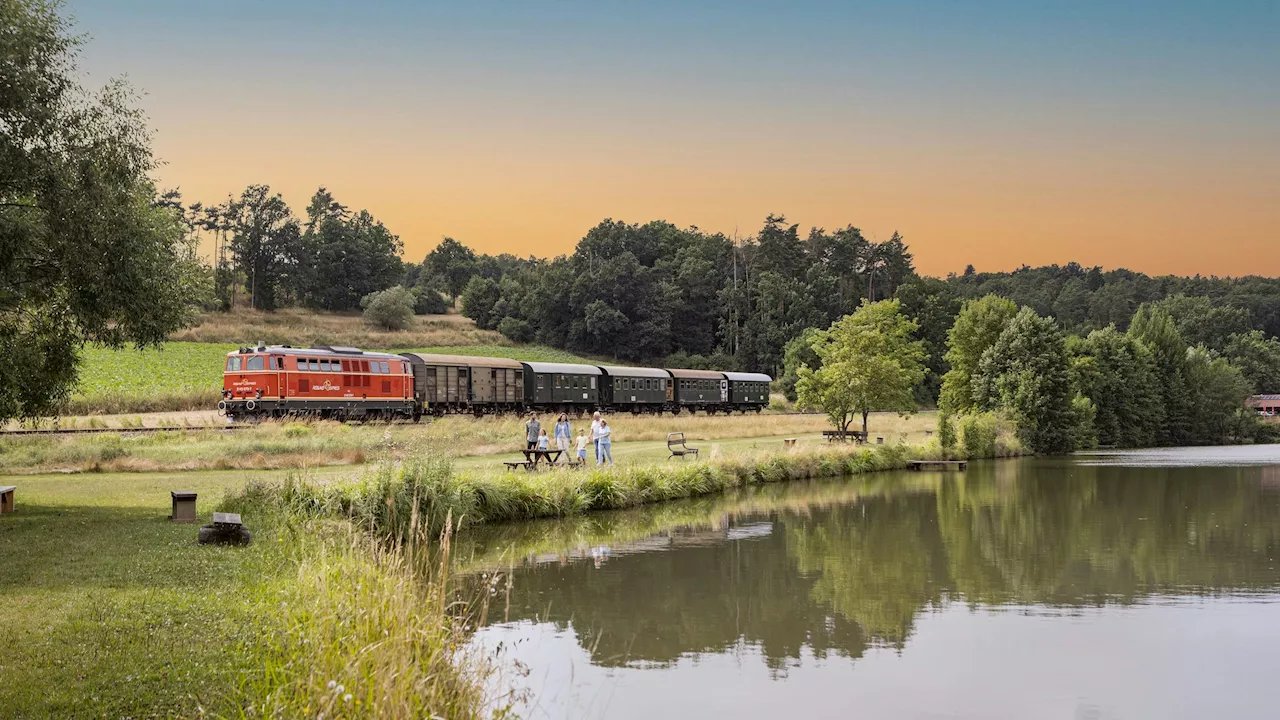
[{"x": 1034, "y": 588}]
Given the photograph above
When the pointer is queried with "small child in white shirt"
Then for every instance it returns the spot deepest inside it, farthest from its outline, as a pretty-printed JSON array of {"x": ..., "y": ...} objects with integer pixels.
[
  {"x": 542, "y": 440},
  {"x": 582, "y": 446}
]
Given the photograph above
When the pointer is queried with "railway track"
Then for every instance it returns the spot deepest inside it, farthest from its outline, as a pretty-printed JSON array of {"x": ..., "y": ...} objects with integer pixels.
[
  {"x": 92, "y": 431},
  {"x": 192, "y": 428}
]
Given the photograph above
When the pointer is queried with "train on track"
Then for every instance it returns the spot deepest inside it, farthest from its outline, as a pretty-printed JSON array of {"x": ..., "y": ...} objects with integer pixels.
[{"x": 344, "y": 383}]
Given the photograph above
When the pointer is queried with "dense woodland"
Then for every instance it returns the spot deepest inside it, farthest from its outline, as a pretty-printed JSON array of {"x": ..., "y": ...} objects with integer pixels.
[{"x": 657, "y": 293}]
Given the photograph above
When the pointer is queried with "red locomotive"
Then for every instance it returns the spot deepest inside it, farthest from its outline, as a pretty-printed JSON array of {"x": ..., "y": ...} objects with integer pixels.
[{"x": 329, "y": 382}]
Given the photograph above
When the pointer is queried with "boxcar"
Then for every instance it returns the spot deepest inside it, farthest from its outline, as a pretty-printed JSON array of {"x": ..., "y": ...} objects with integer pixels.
[
  {"x": 694, "y": 389},
  {"x": 561, "y": 386},
  {"x": 635, "y": 390},
  {"x": 331, "y": 382},
  {"x": 748, "y": 391},
  {"x": 462, "y": 383}
]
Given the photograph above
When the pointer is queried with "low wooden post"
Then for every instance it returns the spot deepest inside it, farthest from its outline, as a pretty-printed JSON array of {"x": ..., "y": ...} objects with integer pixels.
[
  {"x": 184, "y": 506},
  {"x": 879, "y": 441},
  {"x": 6, "y": 498}
]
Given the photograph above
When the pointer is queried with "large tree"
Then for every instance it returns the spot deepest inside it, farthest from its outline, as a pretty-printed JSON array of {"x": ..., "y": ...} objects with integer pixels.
[
  {"x": 87, "y": 253},
  {"x": 869, "y": 362},
  {"x": 1118, "y": 373},
  {"x": 453, "y": 263},
  {"x": 1025, "y": 373},
  {"x": 264, "y": 242},
  {"x": 976, "y": 329},
  {"x": 343, "y": 256}
]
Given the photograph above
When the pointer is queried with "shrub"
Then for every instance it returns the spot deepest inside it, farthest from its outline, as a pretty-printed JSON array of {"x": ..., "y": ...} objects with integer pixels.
[
  {"x": 391, "y": 309},
  {"x": 980, "y": 436},
  {"x": 427, "y": 301},
  {"x": 946, "y": 433},
  {"x": 515, "y": 329}
]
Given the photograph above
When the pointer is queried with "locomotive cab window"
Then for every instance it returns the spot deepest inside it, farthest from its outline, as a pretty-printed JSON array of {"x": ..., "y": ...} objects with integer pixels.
[
  {"x": 255, "y": 363},
  {"x": 386, "y": 367},
  {"x": 233, "y": 364},
  {"x": 279, "y": 363}
]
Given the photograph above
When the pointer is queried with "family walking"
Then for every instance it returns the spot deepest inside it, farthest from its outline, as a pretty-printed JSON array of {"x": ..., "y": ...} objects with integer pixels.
[{"x": 601, "y": 438}]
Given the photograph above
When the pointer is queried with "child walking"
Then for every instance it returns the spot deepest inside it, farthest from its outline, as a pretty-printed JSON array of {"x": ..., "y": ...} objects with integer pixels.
[
  {"x": 582, "y": 446},
  {"x": 542, "y": 440}
]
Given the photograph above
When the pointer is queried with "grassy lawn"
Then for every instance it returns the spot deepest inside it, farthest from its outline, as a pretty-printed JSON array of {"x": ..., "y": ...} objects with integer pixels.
[{"x": 113, "y": 611}]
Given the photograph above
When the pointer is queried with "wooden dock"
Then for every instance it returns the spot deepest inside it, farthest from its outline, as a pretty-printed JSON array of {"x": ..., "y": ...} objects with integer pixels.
[{"x": 938, "y": 464}]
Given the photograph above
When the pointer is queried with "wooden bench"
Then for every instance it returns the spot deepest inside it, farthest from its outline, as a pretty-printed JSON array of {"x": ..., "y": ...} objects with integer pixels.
[
  {"x": 844, "y": 435},
  {"x": 6, "y": 498},
  {"x": 677, "y": 446},
  {"x": 513, "y": 466}
]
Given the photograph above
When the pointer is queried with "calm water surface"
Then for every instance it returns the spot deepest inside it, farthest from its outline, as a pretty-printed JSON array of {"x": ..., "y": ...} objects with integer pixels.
[{"x": 1114, "y": 585}]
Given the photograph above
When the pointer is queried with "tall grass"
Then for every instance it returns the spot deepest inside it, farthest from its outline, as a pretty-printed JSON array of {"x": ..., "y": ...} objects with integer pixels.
[
  {"x": 428, "y": 490},
  {"x": 366, "y": 631}
]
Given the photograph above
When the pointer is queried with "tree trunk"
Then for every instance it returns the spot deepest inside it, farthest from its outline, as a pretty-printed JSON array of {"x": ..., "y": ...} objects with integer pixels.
[{"x": 864, "y": 423}]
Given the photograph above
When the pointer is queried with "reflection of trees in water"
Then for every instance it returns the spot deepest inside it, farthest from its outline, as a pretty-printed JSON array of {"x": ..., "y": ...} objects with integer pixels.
[
  {"x": 657, "y": 606},
  {"x": 837, "y": 579}
]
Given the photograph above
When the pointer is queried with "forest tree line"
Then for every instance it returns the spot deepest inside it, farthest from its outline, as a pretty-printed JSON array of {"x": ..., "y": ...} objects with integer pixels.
[{"x": 681, "y": 297}]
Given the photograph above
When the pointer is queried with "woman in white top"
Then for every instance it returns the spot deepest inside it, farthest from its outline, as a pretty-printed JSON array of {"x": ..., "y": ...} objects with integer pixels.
[{"x": 595, "y": 434}]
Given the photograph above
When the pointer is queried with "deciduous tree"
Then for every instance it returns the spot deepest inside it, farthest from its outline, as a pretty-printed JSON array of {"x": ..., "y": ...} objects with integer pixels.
[
  {"x": 869, "y": 362},
  {"x": 88, "y": 254}
]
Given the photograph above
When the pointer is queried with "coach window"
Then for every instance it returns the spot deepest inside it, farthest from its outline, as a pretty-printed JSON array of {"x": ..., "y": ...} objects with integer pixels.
[
  {"x": 555, "y": 382},
  {"x": 324, "y": 366},
  {"x": 336, "y": 365},
  {"x": 233, "y": 364},
  {"x": 386, "y": 367},
  {"x": 255, "y": 363}
]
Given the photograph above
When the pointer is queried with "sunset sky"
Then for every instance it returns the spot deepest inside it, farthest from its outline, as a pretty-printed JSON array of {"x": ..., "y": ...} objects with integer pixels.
[{"x": 1135, "y": 134}]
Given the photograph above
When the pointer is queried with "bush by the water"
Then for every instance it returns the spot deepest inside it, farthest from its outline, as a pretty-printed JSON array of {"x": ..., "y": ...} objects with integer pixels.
[
  {"x": 390, "y": 309},
  {"x": 980, "y": 433}
]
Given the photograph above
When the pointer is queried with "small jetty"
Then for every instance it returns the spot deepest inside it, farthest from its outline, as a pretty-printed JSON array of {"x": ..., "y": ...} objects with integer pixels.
[{"x": 938, "y": 464}]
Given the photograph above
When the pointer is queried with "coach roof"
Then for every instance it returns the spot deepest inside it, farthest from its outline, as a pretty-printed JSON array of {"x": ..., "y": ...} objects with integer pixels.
[
  {"x": 563, "y": 368},
  {"x": 619, "y": 371},
  {"x": 696, "y": 374},
  {"x": 463, "y": 360},
  {"x": 747, "y": 377}
]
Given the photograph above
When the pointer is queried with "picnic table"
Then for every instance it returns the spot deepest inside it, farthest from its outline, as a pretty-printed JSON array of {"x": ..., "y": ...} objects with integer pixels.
[
  {"x": 844, "y": 435},
  {"x": 533, "y": 458}
]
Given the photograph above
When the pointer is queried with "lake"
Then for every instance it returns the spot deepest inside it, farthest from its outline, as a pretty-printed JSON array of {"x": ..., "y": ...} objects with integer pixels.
[{"x": 1137, "y": 584}]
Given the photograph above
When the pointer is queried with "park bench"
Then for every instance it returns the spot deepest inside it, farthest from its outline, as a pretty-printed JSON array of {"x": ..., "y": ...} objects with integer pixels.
[
  {"x": 844, "y": 435},
  {"x": 677, "y": 446},
  {"x": 226, "y": 529},
  {"x": 513, "y": 466},
  {"x": 6, "y": 498}
]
